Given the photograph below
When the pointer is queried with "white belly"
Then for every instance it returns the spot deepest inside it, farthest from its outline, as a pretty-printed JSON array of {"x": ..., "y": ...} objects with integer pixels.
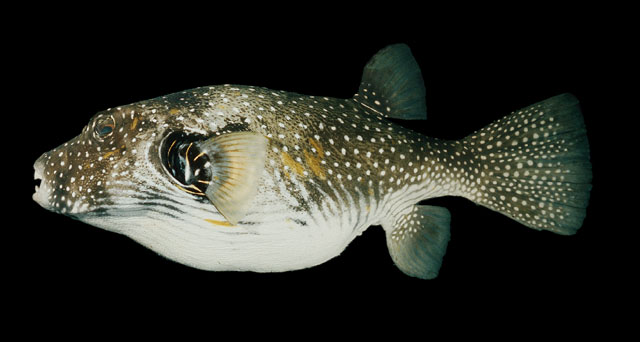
[{"x": 273, "y": 237}]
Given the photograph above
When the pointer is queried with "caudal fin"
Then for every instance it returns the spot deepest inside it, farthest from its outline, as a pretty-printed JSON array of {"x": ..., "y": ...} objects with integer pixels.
[{"x": 533, "y": 166}]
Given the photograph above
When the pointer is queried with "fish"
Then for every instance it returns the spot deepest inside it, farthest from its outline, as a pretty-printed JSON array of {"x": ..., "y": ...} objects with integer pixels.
[{"x": 246, "y": 178}]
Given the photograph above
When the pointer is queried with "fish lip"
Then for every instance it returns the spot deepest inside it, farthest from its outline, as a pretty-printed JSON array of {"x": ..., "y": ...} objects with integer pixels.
[{"x": 40, "y": 195}]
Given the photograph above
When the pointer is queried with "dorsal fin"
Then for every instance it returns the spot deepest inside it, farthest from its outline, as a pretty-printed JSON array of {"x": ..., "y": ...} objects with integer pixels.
[{"x": 392, "y": 85}]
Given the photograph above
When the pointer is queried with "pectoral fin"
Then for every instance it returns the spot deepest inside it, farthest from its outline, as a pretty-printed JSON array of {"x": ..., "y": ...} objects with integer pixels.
[{"x": 236, "y": 163}]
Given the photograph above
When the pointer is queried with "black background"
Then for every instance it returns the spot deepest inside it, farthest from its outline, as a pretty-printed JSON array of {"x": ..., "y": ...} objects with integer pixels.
[{"x": 475, "y": 71}]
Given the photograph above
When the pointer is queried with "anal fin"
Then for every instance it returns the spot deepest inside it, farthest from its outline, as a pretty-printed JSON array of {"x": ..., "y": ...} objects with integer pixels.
[{"x": 418, "y": 239}]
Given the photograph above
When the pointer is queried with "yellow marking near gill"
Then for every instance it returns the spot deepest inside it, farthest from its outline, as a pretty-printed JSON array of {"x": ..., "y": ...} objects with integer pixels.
[
  {"x": 198, "y": 156},
  {"x": 317, "y": 146},
  {"x": 292, "y": 164},
  {"x": 186, "y": 155},
  {"x": 134, "y": 123},
  {"x": 314, "y": 164},
  {"x": 110, "y": 153},
  {"x": 196, "y": 192},
  {"x": 174, "y": 111},
  {"x": 219, "y": 223},
  {"x": 287, "y": 174}
]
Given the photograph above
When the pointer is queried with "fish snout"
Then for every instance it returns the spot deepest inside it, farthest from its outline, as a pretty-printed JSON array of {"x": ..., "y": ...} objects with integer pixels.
[
  {"x": 41, "y": 194},
  {"x": 53, "y": 176},
  {"x": 64, "y": 181}
]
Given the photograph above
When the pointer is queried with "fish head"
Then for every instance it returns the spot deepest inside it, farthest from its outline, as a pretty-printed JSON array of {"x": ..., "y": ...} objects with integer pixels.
[
  {"x": 119, "y": 169},
  {"x": 154, "y": 164}
]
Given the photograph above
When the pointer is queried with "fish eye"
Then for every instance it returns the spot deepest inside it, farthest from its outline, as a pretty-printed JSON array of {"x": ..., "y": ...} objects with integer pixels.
[{"x": 104, "y": 127}]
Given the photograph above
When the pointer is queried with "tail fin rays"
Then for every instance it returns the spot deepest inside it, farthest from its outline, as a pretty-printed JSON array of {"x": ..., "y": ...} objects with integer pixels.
[{"x": 535, "y": 165}]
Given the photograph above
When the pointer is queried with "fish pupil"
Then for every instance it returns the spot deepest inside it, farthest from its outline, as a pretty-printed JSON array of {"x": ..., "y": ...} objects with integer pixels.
[{"x": 105, "y": 130}]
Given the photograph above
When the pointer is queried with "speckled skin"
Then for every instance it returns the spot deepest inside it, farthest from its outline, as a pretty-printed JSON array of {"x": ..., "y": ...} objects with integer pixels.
[
  {"x": 333, "y": 168},
  {"x": 327, "y": 156},
  {"x": 334, "y": 144}
]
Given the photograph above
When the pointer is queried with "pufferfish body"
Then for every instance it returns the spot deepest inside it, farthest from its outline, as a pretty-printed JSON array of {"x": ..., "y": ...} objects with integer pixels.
[{"x": 246, "y": 178}]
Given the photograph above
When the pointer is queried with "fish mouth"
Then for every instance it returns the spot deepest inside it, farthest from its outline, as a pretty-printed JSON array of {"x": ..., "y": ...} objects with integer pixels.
[{"x": 41, "y": 194}]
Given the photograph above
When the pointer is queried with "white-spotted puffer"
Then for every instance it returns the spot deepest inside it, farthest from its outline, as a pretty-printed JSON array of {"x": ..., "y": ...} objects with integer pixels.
[{"x": 251, "y": 179}]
